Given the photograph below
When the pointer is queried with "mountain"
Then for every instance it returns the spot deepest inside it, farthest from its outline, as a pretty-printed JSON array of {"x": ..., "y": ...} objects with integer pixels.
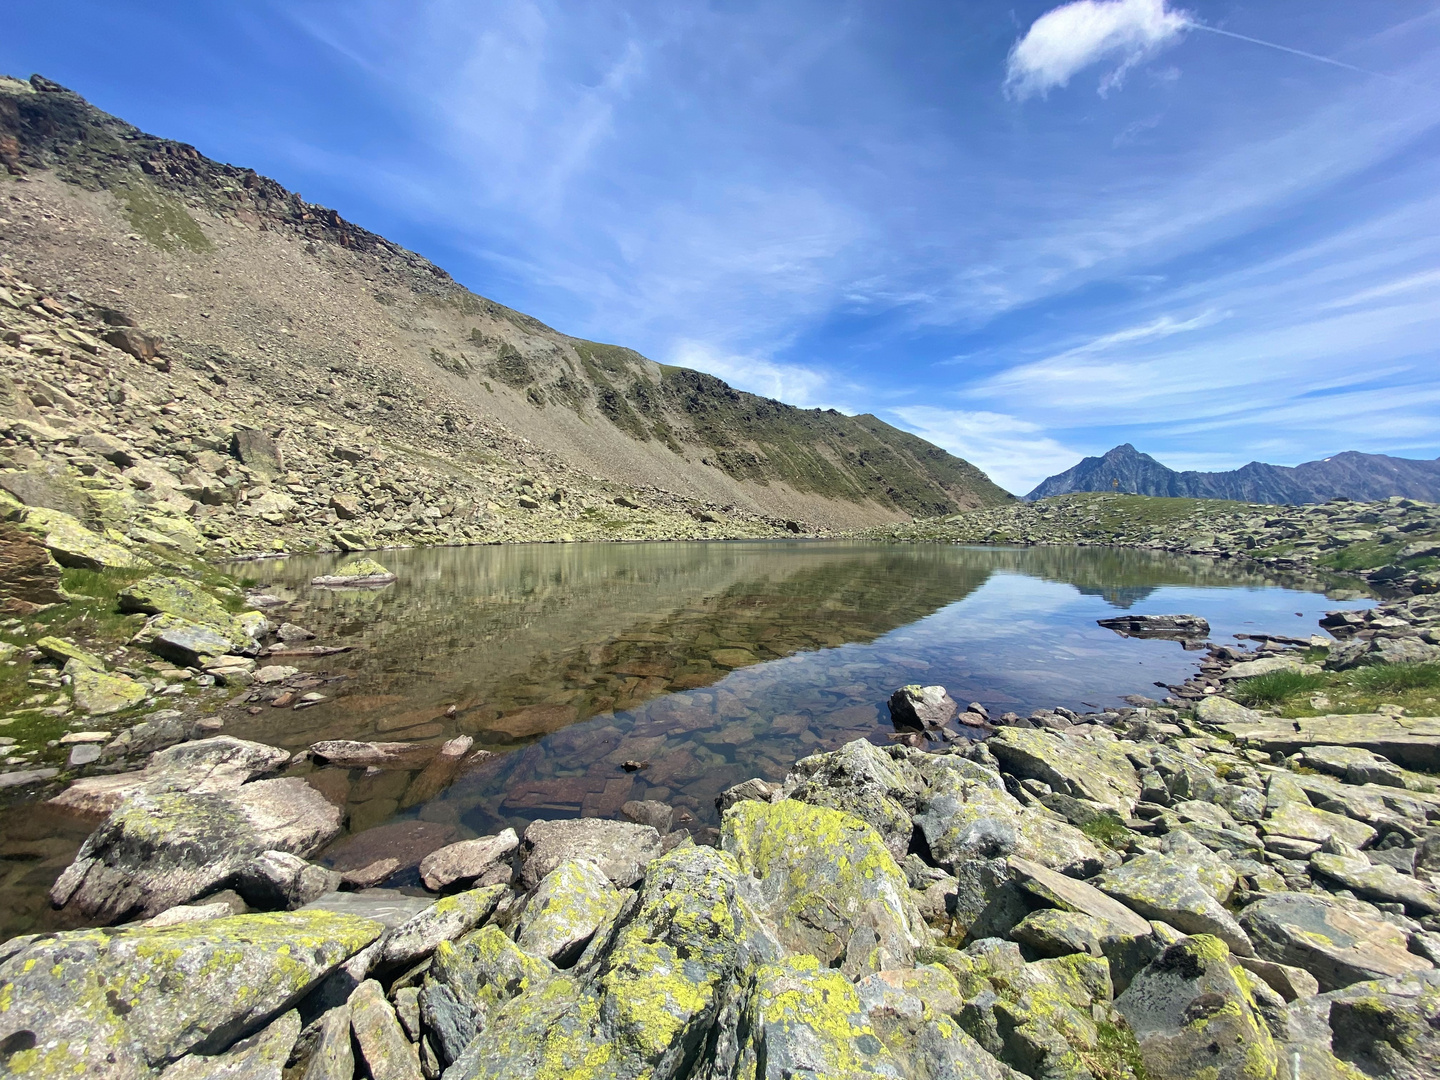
[
  {"x": 1352, "y": 475},
  {"x": 295, "y": 308}
]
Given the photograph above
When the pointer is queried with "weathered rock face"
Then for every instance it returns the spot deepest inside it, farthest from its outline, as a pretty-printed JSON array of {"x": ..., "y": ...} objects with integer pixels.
[
  {"x": 260, "y": 1057},
  {"x": 1160, "y": 887},
  {"x": 73, "y": 545},
  {"x": 1337, "y": 946},
  {"x": 117, "y": 1003},
  {"x": 468, "y": 860},
  {"x": 29, "y": 577},
  {"x": 863, "y": 780},
  {"x": 826, "y": 882},
  {"x": 619, "y": 848},
  {"x": 917, "y": 708},
  {"x": 1093, "y": 769},
  {"x": 444, "y": 920},
  {"x": 566, "y": 909},
  {"x": 164, "y": 847},
  {"x": 1388, "y": 1028},
  {"x": 1193, "y": 1013},
  {"x": 97, "y": 693}
]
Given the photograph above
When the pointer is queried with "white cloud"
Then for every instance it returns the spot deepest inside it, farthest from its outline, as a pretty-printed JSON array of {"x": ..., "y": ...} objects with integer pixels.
[
  {"x": 791, "y": 383},
  {"x": 1015, "y": 453},
  {"x": 1071, "y": 37}
]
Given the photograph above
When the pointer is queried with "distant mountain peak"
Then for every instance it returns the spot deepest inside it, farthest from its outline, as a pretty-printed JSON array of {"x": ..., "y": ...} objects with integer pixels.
[{"x": 1351, "y": 474}]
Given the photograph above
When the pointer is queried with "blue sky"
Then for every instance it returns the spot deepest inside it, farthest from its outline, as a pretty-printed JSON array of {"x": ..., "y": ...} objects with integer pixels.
[{"x": 1027, "y": 233}]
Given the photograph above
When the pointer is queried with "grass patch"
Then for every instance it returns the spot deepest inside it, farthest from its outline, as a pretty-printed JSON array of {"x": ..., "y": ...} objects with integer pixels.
[
  {"x": 162, "y": 220},
  {"x": 1396, "y": 678},
  {"x": 1274, "y": 687},
  {"x": 1117, "y": 1053},
  {"x": 1109, "y": 830}
]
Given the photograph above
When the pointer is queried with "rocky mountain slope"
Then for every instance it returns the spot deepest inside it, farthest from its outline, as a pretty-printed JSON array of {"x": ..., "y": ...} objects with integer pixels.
[
  {"x": 1351, "y": 475},
  {"x": 279, "y": 316}
]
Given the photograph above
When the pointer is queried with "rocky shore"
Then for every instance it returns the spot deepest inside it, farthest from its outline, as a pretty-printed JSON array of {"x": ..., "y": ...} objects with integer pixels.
[
  {"x": 1393, "y": 545},
  {"x": 1180, "y": 887}
]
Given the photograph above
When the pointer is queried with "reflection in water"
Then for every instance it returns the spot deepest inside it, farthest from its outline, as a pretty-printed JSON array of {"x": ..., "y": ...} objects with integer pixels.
[
  {"x": 710, "y": 662},
  {"x": 713, "y": 663}
]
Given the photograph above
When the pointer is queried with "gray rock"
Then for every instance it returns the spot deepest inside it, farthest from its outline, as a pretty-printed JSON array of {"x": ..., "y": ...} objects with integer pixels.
[
  {"x": 1354, "y": 765},
  {"x": 658, "y": 815},
  {"x": 1389, "y": 1028},
  {"x": 1377, "y": 882},
  {"x": 280, "y": 881},
  {"x": 444, "y": 920},
  {"x": 260, "y": 1057},
  {"x": 258, "y": 452},
  {"x": 1161, "y": 887},
  {"x": 1192, "y": 1011},
  {"x": 1085, "y": 768},
  {"x": 753, "y": 789},
  {"x": 387, "y": 1054},
  {"x": 120, "y": 1002},
  {"x": 389, "y": 907},
  {"x": 916, "y": 708},
  {"x": 561, "y": 916},
  {"x": 468, "y": 860},
  {"x": 1319, "y": 935},
  {"x": 1219, "y": 710},
  {"x": 862, "y": 779},
  {"x": 331, "y": 1056},
  {"x": 621, "y": 849}
]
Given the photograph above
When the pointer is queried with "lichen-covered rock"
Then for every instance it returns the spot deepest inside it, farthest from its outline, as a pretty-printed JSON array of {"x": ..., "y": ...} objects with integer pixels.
[
  {"x": 1389, "y": 1028},
  {"x": 1377, "y": 882},
  {"x": 75, "y": 546},
  {"x": 862, "y": 779},
  {"x": 1301, "y": 821},
  {"x": 98, "y": 693},
  {"x": 330, "y": 1056},
  {"x": 260, "y": 1057},
  {"x": 1161, "y": 887},
  {"x": 621, "y": 849},
  {"x": 278, "y": 880},
  {"x": 387, "y": 1053},
  {"x": 160, "y": 595},
  {"x": 563, "y": 913},
  {"x": 361, "y": 572},
  {"x": 62, "y": 652},
  {"x": 160, "y": 848},
  {"x": 444, "y": 920},
  {"x": 468, "y": 860},
  {"x": 1085, "y": 768},
  {"x": 964, "y": 818},
  {"x": 116, "y": 1003},
  {"x": 1336, "y": 945},
  {"x": 471, "y": 978},
  {"x": 804, "y": 1021},
  {"x": 1221, "y": 710},
  {"x": 1194, "y": 1014},
  {"x": 826, "y": 882},
  {"x": 1354, "y": 765}
]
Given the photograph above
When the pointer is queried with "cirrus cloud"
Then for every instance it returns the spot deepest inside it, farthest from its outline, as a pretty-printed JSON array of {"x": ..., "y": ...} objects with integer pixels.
[{"x": 1070, "y": 38}]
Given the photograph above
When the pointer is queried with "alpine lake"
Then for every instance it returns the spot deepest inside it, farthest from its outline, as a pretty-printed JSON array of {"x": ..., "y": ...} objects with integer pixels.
[{"x": 595, "y": 674}]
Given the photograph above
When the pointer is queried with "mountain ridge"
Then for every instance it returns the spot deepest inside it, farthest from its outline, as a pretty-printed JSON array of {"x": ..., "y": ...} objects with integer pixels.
[
  {"x": 246, "y": 275},
  {"x": 1350, "y": 474}
]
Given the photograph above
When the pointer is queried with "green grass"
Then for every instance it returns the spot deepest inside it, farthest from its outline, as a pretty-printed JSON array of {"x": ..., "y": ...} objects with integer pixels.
[
  {"x": 1109, "y": 830},
  {"x": 162, "y": 220},
  {"x": 1276, "y": 686},
  {"x": 1396, "y": 678}
]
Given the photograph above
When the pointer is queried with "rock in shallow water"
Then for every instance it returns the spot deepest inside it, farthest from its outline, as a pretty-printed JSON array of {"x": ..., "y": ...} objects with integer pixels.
[{"x": 620, "y": 849}]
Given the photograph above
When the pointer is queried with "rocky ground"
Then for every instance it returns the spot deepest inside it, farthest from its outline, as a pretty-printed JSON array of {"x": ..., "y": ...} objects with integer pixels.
[
  {"x": 1182, "y": 887},
  {"x": 1394, "y": 545}
]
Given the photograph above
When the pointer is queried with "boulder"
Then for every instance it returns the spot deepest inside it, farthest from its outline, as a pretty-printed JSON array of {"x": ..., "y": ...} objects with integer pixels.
[
  {"x": 280, "y": 881},
  {"x": 468, "y": 860},
  {"x": 63, "y": 652},
  {"x": 356, "y": 573},
  {"x": 190, "y": 644},
  {"x": 119, "y": 1002},
  {"x": 1194, "y": 1014},
  {"x": 621, "y": 849},
  {"x": 825, "y": 882},
  {"x": 330, "y": 1054},
  {"x": 1168, "y": 627},
  {"x": 862, "y": 779},
  {"x": 97, "y": 693},
  {"x": 561, "y": 916},
  {"x": 1161, "y": 887},
  {"x": 1363, "y": 652},
  {"x": 350, "y": 754},
  {"x": 258, "y": 453},
  {"x": 1353, "y": 764},
  {"x": 1084, "y": 768},
  {"x": 916, "y": 708},
  {"x": 1336, "y": 945},
  {"x": 386, "y": 1052},
  {"x": 1389, "y": 1028},
  {"x": 73, "y": 545},
  {"x": 1410, "y": 741},
  {"x": 29, "y": 575},
  {"x": 260, "y": 1057},
  {"x": 444, "y": 920},
  {"x": 1221, "y": 710},
  {"x": 160, "y": 848},
  {"x": 159, "y": 595},
  {"x": 1376, "y": 881},
  {"x": 1248, "y": 669}
]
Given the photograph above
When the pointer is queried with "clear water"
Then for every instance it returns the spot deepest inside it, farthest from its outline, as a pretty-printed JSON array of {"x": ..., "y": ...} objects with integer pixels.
[{"x": 711, "y": 662}]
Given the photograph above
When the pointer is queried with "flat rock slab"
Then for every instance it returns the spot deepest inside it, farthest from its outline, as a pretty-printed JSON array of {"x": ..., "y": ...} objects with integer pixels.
[
  {"x": 1378, "y": 882},
  {"x": 620, "y": 848},
  {"x": 1068, "y": 894},
  {"x": 113, "y": 1003},
  {"x": 389, "y": 907},
  {"x": 1094, "y": 769},
  {"x": 1411, "y": 741},
  {"x": 468, "y": 860},
  {"x": 1336, "y": 945}
]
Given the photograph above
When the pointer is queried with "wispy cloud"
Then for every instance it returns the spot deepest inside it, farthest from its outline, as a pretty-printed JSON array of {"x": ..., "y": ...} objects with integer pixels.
[
  {"x": 1015, "y": 453},
  {"x": 1072, "y": 37},
  {"x": 791, "y": 383}
]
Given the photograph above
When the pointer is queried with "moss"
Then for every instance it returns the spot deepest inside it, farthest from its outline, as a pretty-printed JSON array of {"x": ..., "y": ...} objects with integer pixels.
[{"x": 1109, "y": 830}]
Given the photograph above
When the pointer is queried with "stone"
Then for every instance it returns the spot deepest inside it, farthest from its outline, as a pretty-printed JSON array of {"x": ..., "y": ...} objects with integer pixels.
[
  {"x": 183, "y": 913},
  {"x": 389, "y": 907},
  {"x": 260, "y": 1057},
  {"x": 470, "y": 859},
  {"x": 754, "y": 788},
  {"x": 825, "y": 882},
  {"x": 862, "y": 779},
  {"x": 1068, "y": 894},
  {"x": 1389, "y": 1028},
  {"x": 444, "y": 920},
  {"x": 469, "y": 980},
  {"x": 84, "y": 754},
  {"x": 350, "y": 754},
  {"x": 658, "y": 815},
  {"x": 290, "y": 633},
  {"x": 1168, "y": 627},
  {"x": 1291, "y": 983},
  {"x": 1337, "y": 946},
  {"x": 122, "y": 1001},
  {"x": 1381, "y": 650},
  {"x": 23, "y": 777},
  {"x": 160, "y": 848},
  {"x": 1158, "y": 886},
  {"x": 271, "y": 674},
  {"x": 356, "y": 573},
  {"x": 1411, "y": 742},
  {"x": 964, "y": 817},
  {"x": 1218, "y": 710},
  {"x": 160, "y": 595},
  {"x": 620, "y": 849},
  {"x": 1304, "y": 822},
  {"x": 63, "y": 652},
  {"x": 73, "y": 545},
  {"x": 29, "y": 575},
  {"x": 346, "y": 507},
  {"x": 1093, "y": 769},
  {"x": 917, "y": 708},
  {"x": 331, "y": 1056},
  {"x": 1353, "y": 764},
  {"x": 1248, "y": 669},
  {"x": 97, "y": 693},
  {"x": 1377, "y": 882},
  {"x": 189, "y": 644},
  {"x": 1193, "y": 1013},
  {"x": 561, "y": 916},
  {"x": 280, "y": 881},
  {"x": 135, "y": 342},
  {"x": 387, "y": 1053},
  {"x": 258, "y": 453}
]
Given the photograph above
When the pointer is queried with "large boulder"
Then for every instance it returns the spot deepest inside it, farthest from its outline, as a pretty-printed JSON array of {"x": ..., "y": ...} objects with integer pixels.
[
  {"x": 862, "y": 779},
  {"x": 118, "y": 1003},
  {"x": 1090, "y": 768},
  {"x": 159, "y": 595},
  {"x": 563, "y": 913},
  {"x": 1388, "y": 1028},
  {"x": 826, "y": 882},
  {"x": 75, "y": 546},
  {"x": 191, "y": 643},
  {"x": 361, "y": 573},
  {"x": 98, "y": 693},
  {"x": 164, "y": 847},
  {"x": 469, "y": 860},
  {"x": 620, "y": 848},
  {"x": 915, "y": 708},
  {"x": 1337, "y": 945},
  {"x": 445, "y": 920},
  {"x": 1194, "y": 1014},
  {"x": 258, "y": 453},
  {"x": 1161, "y": 887},
  {"x": 29, "y": 575}
]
